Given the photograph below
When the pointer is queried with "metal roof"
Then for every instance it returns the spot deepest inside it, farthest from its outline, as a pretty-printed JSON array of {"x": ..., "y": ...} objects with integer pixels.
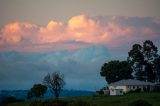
[{"x": 130, "y": 82}]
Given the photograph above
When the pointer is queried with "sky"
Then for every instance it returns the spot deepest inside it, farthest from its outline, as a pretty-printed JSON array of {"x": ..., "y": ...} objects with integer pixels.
[{"x": 74, "y": 37}]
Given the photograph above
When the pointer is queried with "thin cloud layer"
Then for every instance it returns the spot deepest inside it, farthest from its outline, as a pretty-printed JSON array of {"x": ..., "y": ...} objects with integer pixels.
[{"x": 113, "y": 32}]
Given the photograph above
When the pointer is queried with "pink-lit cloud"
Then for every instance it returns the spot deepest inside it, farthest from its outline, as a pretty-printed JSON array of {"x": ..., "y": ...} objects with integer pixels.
[
  {"x": 30, "y": 37},
  {"x": 16, "y": 33}
]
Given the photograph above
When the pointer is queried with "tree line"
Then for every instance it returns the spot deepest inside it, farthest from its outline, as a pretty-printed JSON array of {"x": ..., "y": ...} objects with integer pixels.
[{"x": 142, "y": 63}]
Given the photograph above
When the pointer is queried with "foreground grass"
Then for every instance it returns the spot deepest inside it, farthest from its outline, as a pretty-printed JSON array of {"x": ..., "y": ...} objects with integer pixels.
[{"x": 152, "y": 98}]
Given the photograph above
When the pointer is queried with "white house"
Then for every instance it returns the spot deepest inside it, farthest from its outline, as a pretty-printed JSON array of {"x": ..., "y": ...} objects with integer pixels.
[{"x": 124, "y": 86}]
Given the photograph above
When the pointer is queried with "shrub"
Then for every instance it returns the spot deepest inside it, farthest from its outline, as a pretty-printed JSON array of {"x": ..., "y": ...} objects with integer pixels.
[
  {"x": 139, "y": 103},
  {"x": 138, "y": 90},
  {"x": 100, "y": 92},
  {"x": 135, "y": 91}
]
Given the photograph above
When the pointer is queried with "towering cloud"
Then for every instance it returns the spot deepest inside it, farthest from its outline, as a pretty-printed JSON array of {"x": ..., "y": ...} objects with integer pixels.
[
  {"x": 16, "y": 33},
  {"x": 113, "y": 32}
]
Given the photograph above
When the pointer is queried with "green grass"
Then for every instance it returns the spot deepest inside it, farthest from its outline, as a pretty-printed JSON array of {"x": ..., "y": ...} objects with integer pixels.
[
  {"x": 152, "y": 98},
  {"x": 26, "y": 103}
]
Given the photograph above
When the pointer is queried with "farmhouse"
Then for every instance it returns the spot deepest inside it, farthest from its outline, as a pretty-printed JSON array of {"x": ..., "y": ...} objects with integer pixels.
[{"x": 124, "y": 86}]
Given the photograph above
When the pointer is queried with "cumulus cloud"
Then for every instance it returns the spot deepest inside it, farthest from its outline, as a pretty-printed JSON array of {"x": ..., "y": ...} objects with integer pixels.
[
  {"x": 17, "y": 33},
  {"x": 111, "y": 31}
]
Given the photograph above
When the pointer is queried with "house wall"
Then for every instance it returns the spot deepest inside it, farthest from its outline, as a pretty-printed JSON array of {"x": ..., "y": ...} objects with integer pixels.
[
  {"x": 125, "y": 89},
  {"x": 131, "y": 87}
]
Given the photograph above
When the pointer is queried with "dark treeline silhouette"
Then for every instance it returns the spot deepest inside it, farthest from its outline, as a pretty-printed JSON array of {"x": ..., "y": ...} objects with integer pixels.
[{"x": 143, "y": 63}]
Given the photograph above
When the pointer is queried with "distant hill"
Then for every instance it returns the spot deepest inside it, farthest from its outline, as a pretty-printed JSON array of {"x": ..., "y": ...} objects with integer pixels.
[{"x": 22, "y": 94}]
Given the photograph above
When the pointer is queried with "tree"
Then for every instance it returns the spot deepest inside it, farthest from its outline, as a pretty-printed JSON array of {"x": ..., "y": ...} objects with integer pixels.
[
  {"x": 29, "y": 94},
  {"x": 149, "y": 72},
  {"x": 149, "y": 51},
  {"x": 150, "y": 55},
  {"x": 55, "y": 82},
  {"x": 37, "y": 90},
  {"x": 142, "y": 60},
  {"x": 136, "y": 60},
  {"x": 157, "y": 68},
  {"x": 116, "y": 70}
]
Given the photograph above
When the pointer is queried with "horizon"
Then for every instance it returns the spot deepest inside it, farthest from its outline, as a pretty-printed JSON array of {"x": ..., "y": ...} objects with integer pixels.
[{"x": 75, "y": 38}]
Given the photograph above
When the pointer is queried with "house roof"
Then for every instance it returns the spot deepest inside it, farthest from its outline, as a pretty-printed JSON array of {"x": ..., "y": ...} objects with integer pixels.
[{"x": 130, "y": 82}]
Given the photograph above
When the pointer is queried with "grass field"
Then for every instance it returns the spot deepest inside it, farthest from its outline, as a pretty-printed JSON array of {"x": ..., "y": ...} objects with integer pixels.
[{"x": 152, "y": 98}]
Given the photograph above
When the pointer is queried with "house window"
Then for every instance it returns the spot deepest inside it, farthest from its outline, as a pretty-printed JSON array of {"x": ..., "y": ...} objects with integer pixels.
[{"x": 133, "y": 87}]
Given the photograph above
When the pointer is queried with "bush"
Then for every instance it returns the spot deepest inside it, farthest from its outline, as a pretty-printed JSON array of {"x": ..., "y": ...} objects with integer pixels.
[
  {"x": 100, "y": 92},
  {"x": 135, "y": 91},
  {"x": 139, "y": 103}
]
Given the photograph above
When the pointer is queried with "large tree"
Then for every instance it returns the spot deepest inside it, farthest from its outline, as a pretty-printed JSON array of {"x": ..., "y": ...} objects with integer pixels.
[
  {"x": 149, "y": 51},
  {"x": 142, "y": 60},
  {"x": 150, "y": 56},
  {"x": 116, "y": 70},
  {"x": 55, "y": 82},
  {"x": 136, "y": 60}
]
